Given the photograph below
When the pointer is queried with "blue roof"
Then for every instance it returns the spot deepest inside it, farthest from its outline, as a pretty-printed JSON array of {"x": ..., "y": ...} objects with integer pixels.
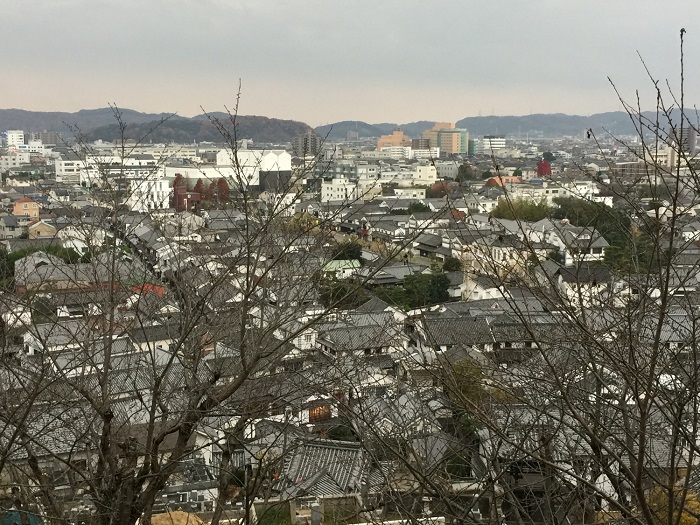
[{"x": 14, "y": 517}]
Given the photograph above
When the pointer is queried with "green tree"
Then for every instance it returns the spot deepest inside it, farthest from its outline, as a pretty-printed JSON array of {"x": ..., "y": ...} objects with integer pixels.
[
  {"x": 657, "y": 192},
  {"x": 451, "y": 264},
  {"x": 522, "y": 209},
  {"x": 426, "y": 289},
  {"x": 347, "y": 250},
  {"x": 342, "y": 294},
  {"x": 548, "y": 156},
  {"x": 416, "y": 207},
  {"x": 467, "y": 173},
  {"x": 631, "y": 245}
]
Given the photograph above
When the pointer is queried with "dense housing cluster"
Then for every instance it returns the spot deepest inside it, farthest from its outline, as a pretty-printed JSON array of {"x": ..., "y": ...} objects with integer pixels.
[{"x": 430, "y": 328}]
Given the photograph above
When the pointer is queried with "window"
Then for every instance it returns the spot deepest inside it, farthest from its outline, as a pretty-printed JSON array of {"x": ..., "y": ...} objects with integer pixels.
[{"x": 319, "y": 413}]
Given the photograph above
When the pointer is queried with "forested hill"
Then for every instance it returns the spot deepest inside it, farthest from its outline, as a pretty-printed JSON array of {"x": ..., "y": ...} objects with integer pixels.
[
  {"x": 539, "y": 125},
  {"x": 259, "y": 129},
  {"x": 101, "y": 124}
]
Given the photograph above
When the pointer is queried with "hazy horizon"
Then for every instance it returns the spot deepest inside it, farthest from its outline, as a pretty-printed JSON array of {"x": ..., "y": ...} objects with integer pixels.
[{"x": 325, "y": 61}]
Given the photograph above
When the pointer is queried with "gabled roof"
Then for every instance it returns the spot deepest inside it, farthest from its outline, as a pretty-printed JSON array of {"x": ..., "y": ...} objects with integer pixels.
[
  {"x": 467, "y": 331},
  {"x": 585, "y": 274},
  {"x": 373, "y": 305},
  {"x": 321, "y": 467}
]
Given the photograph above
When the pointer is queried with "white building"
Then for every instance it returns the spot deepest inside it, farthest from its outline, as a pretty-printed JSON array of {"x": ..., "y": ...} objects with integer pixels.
[
  {"x": 149, "y": 193},
  {"x": 427, "y": 154},
  {"x": 69, "y": 168},
  {"x": 551, "y": 189},
  {"x": 397, "y": 152},
  {"x": 492, "y": 143},
  {"x": 14, "y": 138},
  {"x": 249, "y": 164},
  {"x": 14, "y": 160},
  {"x": 447, "y": 169},
  {"x": 425, "y": 175},
  {"x": 83, "y": 236},
  {"x": 338, "y": 189}
]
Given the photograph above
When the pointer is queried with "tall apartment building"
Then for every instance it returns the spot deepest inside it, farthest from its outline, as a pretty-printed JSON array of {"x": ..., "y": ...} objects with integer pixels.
[
  {"x": 474, "y": 146},
  {"x": 396, "y": 139},
  {"x": 431, "y": 135},
  {"x": 449, "y": 139},
  {"x": 307, "y": 144},
  {"x": 421, "y": 143},
  {"x": 14, "y": 138},
  {"x": 49, "y": 138},
  {"x": 453, "y": 141},
  {"x": 686, "y": 139}
]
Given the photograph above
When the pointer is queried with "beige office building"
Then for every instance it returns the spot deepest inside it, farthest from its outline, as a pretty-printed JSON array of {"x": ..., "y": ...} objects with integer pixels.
[{"x": 396, "y": 139}]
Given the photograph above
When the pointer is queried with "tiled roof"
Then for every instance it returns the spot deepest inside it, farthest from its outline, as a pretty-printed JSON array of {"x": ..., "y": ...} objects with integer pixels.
[
  {"x": 457, "y": 330},
  {"x": 322, "y": 467}
]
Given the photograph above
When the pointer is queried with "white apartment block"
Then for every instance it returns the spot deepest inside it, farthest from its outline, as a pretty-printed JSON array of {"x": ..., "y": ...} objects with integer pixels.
[
  {"x": 69, "y": 169},
  {"x": 425, "y": 175},
  {"x": 492, "y": 143},
  {"x": 14, "y": 138},
  {"x": 338, "y": 189},
  {"x": 402, "y": 177},
  {"x": 94, "y": 169},
  {"x": 148, "y": 194},
  {"x": 402, "y": 153},
  {"x": 409, "y": 193},
  {"x": 367, "y": 171},
  {"x": 14, "y": 160},
  {"x": 36, "y": 146},
  {"x": 397, "y": 152},
  {"x": 447, "y": 169},
  {"x": 368, "y": 187},
  {"x": 426, "y": 154}
]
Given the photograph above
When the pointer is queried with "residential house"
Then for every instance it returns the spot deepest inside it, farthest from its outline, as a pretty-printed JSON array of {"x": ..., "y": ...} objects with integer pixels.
[
  {"x": 341, "y": 269},
  {"x": 9, "y": 227},
  {"x": 577, "y": 244},
  {"x": 389, "y": 275},
  {"x": 26, "y": 207},
  {"x": 389, "y": 231},
  {"x": 42, "y": 229},
  {"x": 362, "y": 334},
  {"x": 584, "y": 286}
]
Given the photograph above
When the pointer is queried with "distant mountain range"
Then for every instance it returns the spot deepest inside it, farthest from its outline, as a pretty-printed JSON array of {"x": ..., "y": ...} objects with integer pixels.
[
  {"x": 101, "y": 124},
  {"x": 539, "y": 125}
]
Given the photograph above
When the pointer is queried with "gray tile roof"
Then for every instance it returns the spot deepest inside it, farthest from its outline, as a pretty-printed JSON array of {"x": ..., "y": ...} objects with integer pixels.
[{"x": 321, "y": 467}]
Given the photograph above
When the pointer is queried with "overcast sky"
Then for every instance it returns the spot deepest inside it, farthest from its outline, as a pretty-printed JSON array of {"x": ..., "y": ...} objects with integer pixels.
[{"x": 321, "y": 61}]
